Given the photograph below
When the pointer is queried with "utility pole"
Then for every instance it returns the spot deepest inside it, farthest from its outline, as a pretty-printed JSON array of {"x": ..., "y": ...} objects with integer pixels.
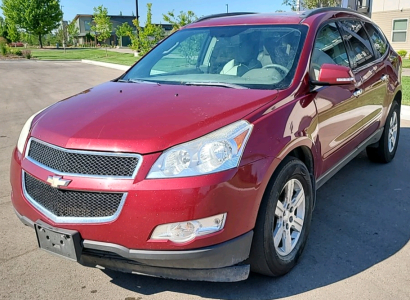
[
  {"x": 63, "y": 27},
  {"x": 138, "y": 17},
  {"x": 136, "y": 10},
  {"x": 227, "y": 8}
]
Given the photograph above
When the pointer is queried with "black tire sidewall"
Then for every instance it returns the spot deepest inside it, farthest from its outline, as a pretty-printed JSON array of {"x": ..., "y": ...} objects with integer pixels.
[
  {"x": 292, "y": 169},
  {"x": 388, "y": 156}
]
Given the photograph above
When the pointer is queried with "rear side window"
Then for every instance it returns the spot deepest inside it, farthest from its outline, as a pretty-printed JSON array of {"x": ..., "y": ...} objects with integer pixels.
[
  {"x": 379, "y": 41},
  {"x": 361, "y": 50},
  {"x": 328, "y": 49}
]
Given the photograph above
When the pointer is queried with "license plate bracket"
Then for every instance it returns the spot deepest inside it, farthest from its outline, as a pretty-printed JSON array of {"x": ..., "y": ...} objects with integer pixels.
[{"x": 61, "y": 242}]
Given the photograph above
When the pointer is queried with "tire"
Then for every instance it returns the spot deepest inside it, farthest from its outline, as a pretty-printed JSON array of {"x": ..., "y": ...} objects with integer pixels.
[
  {"x": 385, "y": 150},
  {"x": 275, "y": 260}
]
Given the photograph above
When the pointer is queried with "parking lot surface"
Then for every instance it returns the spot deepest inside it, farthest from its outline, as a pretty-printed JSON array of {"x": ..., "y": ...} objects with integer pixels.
[{"x": 358, "y": 247}]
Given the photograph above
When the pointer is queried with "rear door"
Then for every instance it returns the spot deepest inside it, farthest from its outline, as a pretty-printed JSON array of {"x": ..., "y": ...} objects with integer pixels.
[{"x": 370, "y": 72}]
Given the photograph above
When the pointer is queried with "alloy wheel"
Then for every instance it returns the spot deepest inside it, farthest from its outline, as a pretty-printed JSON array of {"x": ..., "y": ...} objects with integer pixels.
[
  {"x": 289, "y": 217},
  {"x": 392, "y": 131}
]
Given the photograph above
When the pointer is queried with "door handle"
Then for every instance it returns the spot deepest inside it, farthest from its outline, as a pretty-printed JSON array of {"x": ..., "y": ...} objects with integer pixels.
[
  {"x": 384, "y": 78},
  {"x": 358, "y": 92}
]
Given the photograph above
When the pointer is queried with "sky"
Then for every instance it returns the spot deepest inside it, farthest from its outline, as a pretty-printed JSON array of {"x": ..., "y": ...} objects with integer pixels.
[{"x": 199, "y": 7}]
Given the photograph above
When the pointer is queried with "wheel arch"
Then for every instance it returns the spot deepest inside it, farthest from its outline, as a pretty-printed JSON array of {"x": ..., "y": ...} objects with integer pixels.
[
  {"x": 303, "y": 149},
  {"x": 398, "y": 97}
]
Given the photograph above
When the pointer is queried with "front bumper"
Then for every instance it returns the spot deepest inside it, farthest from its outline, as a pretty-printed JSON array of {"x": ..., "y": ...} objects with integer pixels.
[
  {"x": 150, "y": 203},
  {"x": 219, "y": 263}
]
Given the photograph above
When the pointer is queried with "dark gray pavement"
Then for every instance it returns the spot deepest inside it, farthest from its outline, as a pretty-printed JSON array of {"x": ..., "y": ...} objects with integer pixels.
[{"x": 358, "y": 248}]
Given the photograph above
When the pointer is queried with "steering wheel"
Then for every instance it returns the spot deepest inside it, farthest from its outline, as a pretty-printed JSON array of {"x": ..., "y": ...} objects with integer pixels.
[{"x": 280, "y": 67}]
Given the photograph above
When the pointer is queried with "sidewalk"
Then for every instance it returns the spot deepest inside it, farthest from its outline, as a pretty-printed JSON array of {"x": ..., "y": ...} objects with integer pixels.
[{"x": 124, "y": 50}]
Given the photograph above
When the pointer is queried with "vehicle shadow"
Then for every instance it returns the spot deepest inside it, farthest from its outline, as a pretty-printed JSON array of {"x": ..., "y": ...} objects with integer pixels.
[{"x": 361, "y": 218}]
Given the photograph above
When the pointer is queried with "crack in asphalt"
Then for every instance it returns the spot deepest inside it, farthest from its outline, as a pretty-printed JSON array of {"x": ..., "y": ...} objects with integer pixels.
[{"x": 2, "y": 261}]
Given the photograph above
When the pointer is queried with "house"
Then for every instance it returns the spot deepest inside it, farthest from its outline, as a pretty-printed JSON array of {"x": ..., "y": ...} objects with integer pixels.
[
  {"x": 391, "y": 15},
  {"x": 393, "y": 18},
  {"x": 84, "y": 23}
]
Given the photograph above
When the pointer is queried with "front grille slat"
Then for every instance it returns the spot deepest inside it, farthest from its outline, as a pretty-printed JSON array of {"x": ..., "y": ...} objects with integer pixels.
[
  {"x": 67, "y": 203},
  {"x": 83, "y": 162}
]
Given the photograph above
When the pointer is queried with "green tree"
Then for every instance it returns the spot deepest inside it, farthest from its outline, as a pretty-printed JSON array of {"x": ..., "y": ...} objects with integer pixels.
[
  {"x": 147, "y": 36},
  {"x": 309, "y": 4},
  {"x": 123, "y": 30},
  {"x": 178, "y": 21},
  {"x": 102, "y": 26},
  {"x": 3, "y": 30},
  {"x": 38, "y": 17},
  {"x": 72, "y": 31},
  {"x": 13, "y": 32}
]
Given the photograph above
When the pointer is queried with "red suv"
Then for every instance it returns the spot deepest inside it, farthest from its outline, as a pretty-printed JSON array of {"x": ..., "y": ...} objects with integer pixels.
[{"x": 201, "y": 162}]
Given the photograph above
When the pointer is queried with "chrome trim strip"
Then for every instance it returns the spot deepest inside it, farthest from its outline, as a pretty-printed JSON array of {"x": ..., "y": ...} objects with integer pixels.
[
  {"x": 56, "y": 172},
  {"x": 72, "y": 220}
]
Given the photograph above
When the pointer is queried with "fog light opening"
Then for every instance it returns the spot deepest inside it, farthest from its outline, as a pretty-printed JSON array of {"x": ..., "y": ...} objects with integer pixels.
[{"x": 186, "y": 231}]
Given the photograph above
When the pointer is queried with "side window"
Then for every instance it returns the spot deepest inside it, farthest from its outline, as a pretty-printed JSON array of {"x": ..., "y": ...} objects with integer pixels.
[
  {"x": 379, "y": 41},
  {"x": 328, "y": 49},
  {"x": 361, "y": 50}
]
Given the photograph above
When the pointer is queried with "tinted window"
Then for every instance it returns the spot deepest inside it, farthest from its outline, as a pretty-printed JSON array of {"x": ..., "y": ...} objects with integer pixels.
[
  {"x": 361, "y": 51},
  {"x": 379, "y": 41},
  {"x": 328, "y": 49}
]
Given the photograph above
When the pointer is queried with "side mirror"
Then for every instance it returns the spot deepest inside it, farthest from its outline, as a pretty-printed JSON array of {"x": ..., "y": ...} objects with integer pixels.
[{"x": 334, "y": 75}]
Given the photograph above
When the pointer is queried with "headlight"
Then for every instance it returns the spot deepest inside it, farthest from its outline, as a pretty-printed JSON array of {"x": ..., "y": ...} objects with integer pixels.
[
  {"x": 182, "y": 232},
  {"x": 218, "y": 151},
  {"x": 25, "y": 131}
]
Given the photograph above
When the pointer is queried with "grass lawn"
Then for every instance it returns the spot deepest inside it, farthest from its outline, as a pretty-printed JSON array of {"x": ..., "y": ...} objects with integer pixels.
[
  {"x": 91, "y": 54},
  {"x": 406, "y": 90},
  {"x": 406, "y": 63}
]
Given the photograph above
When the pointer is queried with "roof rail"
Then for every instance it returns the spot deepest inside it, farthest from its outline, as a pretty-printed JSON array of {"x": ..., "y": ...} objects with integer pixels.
[
  {"x": 315, "y": 11},
  {"x": 223, "y": 15}
]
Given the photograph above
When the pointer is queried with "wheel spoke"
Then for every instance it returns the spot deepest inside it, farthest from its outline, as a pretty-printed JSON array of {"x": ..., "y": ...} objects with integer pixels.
[
  {"x": 287, "y": 243},
  {"x": 280, "y": 209},
  {"x": 277, "y": 235},
  {"x": 297, "y": 224},
  {"x": 300, "y": 198},
  {"x": 289, "y": 191}
]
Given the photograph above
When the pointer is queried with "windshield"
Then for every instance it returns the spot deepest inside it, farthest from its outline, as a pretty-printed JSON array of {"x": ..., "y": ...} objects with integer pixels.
[{"x": 257, "y": 57}]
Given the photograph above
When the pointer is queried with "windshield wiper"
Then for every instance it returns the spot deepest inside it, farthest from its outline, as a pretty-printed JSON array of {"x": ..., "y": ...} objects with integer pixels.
[
  {"x": 220, "y": 84},
  {"x": 137, "y": 81}
]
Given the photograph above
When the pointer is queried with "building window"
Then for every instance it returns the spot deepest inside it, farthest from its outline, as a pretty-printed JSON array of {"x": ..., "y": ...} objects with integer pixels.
[
  {"x": 87, "y": 25},
  {"x": 399, "y": 30}
]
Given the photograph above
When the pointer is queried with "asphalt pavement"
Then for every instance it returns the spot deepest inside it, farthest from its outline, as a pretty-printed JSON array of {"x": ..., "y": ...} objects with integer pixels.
[{"x": 358, "y": 247}]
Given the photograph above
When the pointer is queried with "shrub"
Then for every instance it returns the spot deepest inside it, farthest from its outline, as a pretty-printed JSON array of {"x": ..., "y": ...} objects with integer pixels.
[
  {"x": 18, "y": 52},
  {"x": 27, "y": 53},
  {"x": 402, "y": 53},
  {"x": 3, "y": 46}
]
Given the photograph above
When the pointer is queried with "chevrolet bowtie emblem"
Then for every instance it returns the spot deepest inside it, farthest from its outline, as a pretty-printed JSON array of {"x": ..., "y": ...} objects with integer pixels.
[{"x": 57, "y": 181}]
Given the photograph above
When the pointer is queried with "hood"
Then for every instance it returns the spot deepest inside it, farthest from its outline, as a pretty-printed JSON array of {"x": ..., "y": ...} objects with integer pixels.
[{"x": 143, "y": 118}]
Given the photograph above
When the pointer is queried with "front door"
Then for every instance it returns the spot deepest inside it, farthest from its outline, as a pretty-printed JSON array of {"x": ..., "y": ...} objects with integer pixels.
[{"x": 337, "y": 106}]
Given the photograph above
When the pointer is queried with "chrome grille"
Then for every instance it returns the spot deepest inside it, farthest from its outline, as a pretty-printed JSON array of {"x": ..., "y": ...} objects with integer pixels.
[
  {"x": 74, "y": 162},
  {"x": 61, "y": 204}
]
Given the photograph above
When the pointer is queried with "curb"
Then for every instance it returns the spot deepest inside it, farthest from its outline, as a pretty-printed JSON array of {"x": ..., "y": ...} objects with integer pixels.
[
  {"x": 405, "y": 112},
  {"x": 104, "y": 64}
]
